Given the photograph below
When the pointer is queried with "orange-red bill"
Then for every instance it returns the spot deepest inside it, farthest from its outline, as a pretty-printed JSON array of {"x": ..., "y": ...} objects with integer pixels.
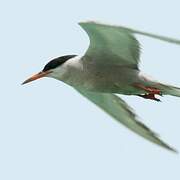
[{"x": 36, "y": 76}]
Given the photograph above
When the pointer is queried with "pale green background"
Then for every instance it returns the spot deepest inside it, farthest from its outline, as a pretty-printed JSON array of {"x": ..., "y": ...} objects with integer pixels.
[{"x": 47, "y": 130}]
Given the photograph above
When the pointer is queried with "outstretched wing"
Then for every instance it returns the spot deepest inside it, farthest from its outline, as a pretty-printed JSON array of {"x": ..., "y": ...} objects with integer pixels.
[
  {"x": 116, "y": 45},
  {"x": 119, "y": 110},
  {"x": 111, "y": 44}
]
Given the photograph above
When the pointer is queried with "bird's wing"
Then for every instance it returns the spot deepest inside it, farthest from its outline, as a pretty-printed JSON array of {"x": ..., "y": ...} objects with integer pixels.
[
  {"x": 119, "y": 110},
  {"x": 111, "y": 45}
]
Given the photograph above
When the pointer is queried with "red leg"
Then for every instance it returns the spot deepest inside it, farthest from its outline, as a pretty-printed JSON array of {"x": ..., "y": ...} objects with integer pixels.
[{"x": 151, "y": 92}]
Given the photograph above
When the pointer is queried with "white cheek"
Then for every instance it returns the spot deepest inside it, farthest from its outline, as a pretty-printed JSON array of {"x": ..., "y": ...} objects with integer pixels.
[{"x": 57, "y": 73}]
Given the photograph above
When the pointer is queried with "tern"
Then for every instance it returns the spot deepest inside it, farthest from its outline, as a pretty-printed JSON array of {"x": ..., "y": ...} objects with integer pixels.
[{"x": 110, "y": 67}]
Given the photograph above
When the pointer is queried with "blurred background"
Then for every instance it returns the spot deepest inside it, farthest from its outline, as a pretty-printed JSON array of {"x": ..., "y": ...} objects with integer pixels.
[{"x": 49, "y": 131}]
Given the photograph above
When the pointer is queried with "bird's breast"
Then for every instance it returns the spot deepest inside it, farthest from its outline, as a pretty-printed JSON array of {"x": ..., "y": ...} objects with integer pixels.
[{"x": 99, "y": 78}]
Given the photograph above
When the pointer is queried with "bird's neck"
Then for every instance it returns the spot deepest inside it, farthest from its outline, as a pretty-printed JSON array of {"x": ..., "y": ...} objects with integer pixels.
[{"x": 69, "y": 71}]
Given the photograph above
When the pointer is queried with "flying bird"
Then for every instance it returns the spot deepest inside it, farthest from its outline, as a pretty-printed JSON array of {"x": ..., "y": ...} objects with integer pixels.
[{"x": 110, "y": 67}]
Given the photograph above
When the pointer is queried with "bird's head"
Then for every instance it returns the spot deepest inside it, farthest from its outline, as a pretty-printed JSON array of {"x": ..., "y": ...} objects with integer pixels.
[{"x": 50, "y": 68}]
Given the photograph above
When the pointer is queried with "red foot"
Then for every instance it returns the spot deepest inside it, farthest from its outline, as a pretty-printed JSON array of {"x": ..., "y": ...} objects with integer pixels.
[{"x": 150, "y": 90}]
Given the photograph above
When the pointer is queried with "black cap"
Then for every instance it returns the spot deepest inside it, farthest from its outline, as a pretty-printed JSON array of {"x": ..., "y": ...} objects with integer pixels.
[{"x": 57, "y": 62}]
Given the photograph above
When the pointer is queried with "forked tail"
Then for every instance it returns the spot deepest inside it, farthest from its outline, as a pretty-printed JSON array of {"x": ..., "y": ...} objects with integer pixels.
[
  {"x": 168, "y": 89},
  {"x": 152, "y": 88}
]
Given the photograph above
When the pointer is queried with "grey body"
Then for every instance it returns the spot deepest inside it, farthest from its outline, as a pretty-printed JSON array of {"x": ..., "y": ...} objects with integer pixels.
[{"x": 88, "y": 75}]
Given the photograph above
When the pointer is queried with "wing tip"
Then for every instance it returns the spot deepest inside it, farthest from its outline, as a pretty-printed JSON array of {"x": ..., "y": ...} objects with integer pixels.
[
  {"x": 162, "y": 144},
  {"x": 169, "y": 148}
]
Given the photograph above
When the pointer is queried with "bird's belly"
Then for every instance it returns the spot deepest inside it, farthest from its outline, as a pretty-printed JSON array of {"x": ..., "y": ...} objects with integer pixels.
[
  {"x": 109, "y": 86},
  {"x": 106, "y": 81}
]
